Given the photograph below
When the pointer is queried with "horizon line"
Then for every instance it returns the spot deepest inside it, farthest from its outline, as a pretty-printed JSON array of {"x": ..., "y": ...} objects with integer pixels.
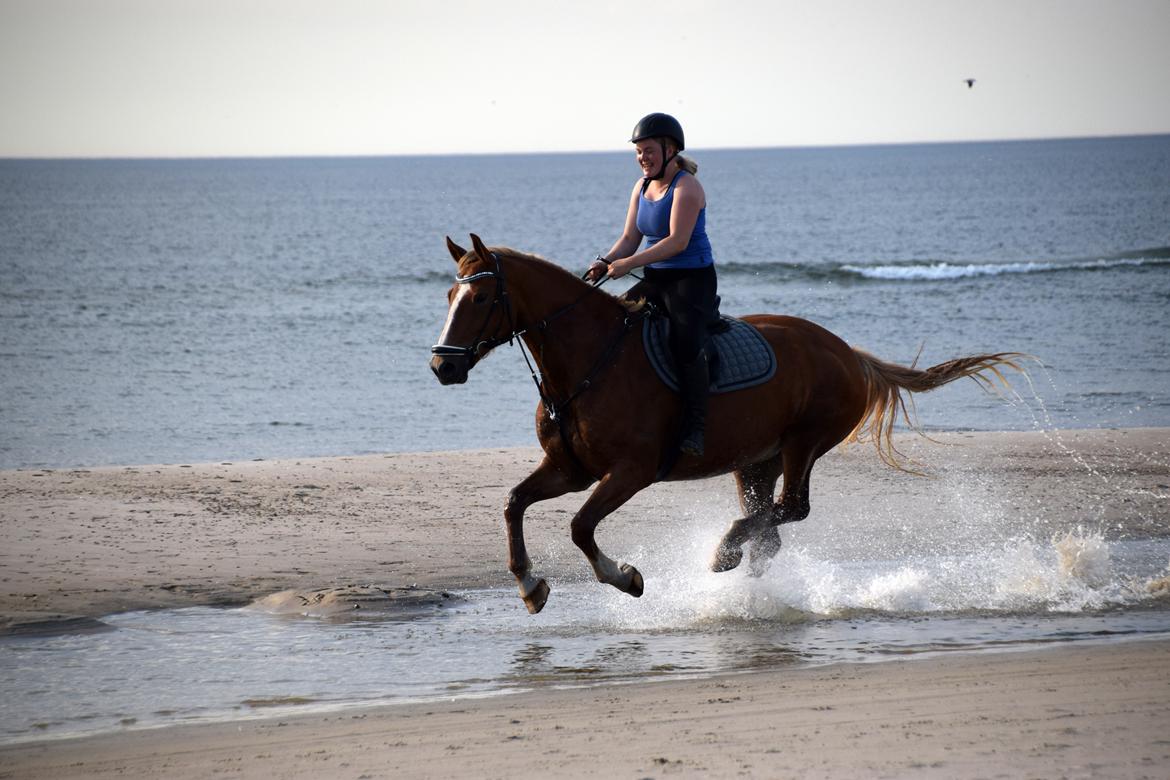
[{"x": 556, "y": 152}]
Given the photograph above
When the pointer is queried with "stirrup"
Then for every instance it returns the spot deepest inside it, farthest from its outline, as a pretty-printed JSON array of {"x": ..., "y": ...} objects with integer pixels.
[
  {"x": 693, "y": 440},
  {"x": 692, "y": 443}
]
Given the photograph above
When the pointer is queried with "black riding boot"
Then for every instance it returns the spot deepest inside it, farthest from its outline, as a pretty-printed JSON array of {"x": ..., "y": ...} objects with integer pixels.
[{"x": 695, "y": 383}]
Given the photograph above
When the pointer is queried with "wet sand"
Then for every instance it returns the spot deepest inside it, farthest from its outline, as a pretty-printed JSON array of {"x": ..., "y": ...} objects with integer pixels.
[
  {"x": 78, "y": 544},
  {"x": 1081, "y": 711}
]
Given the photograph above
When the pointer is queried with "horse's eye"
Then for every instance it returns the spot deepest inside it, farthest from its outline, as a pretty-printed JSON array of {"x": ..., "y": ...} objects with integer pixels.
[{"x": 480, "y": 298}]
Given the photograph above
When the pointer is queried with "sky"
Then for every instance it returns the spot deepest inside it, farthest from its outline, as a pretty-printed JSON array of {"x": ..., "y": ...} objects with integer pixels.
[{"x": 197, "y": 78}]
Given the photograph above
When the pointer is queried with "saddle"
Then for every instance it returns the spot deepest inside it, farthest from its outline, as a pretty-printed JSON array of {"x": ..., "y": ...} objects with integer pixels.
[{"x": 739, "y": 355}]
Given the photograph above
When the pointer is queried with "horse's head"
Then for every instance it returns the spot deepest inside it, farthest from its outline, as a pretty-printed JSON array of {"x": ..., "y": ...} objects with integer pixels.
[{"x": 479, "y": 314}]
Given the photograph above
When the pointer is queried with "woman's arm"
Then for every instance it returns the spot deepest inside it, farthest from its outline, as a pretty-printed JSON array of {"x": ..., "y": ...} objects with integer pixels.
[
  {"x": 689, "y": 199},
  {"x": 631, "y": 237},
  {"x": 627, "y": 243}
]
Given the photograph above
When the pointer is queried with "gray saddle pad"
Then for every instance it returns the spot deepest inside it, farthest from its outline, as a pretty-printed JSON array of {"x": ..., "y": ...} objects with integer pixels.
[{"x": 740, "y": 355}]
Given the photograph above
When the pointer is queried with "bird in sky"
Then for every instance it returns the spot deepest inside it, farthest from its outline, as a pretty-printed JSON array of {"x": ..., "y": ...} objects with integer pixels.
[{"x": 969, "y": 82}]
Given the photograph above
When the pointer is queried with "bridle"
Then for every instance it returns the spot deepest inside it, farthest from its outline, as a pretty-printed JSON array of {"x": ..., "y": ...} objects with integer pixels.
[{"x": 480, "y": 345}]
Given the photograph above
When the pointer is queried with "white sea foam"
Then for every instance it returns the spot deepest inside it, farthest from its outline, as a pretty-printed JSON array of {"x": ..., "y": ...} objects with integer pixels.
[{"x": 943, "y": 270}]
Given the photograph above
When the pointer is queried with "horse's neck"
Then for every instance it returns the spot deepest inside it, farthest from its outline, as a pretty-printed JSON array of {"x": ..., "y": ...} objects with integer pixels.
[{"x": 568, "y": 327}]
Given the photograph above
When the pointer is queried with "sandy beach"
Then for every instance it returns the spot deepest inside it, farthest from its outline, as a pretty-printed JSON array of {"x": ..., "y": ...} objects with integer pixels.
[{"x": 77, "y": 544}]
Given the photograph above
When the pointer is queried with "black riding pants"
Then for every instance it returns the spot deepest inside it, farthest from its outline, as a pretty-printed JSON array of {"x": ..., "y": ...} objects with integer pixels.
[{"x": 689, "y": 297}]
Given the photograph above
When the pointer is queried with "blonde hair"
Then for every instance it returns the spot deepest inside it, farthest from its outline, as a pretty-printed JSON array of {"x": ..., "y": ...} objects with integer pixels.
[{"x": 685, "y": 163}]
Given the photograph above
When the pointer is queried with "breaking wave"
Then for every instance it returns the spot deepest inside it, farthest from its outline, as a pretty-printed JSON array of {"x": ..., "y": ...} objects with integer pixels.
[{"x": 940, "y": 270}]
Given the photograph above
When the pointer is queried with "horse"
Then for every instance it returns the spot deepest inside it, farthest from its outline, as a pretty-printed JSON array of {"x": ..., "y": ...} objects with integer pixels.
[{"x": 605, "y": 417}]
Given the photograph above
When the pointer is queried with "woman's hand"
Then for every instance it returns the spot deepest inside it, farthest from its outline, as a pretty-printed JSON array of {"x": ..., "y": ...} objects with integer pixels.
[
  {"x": 619, "y": 268},
  {"x": 596, "y": 270}
]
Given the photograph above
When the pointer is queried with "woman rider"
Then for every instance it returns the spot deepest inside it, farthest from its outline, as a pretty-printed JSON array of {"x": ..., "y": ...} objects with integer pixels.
[{"x": 668, "y": 208}]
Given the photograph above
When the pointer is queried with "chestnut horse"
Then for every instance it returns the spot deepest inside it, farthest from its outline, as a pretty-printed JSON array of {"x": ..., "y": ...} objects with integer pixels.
[{"x": 606, "y": 418}]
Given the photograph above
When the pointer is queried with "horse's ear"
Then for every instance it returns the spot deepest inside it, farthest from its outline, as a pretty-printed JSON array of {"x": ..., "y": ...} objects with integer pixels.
[
  {"x": 457, "y": 252},
  {"x": 482, "y": 251}
]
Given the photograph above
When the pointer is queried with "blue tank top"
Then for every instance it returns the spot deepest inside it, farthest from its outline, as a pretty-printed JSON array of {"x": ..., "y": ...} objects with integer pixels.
[{"x": 653, "y": 222}]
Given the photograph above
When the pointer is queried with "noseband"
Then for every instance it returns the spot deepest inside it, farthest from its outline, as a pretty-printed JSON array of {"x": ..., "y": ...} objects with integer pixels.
[{"x": 480, "y": 345}]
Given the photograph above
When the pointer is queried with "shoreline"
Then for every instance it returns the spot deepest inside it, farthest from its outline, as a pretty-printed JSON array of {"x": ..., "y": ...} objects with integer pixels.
[{"x": 900, "y": 435}]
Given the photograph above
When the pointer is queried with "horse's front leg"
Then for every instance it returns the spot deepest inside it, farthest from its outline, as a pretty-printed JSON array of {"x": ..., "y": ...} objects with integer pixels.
[
  {"x": 615, "y": 489},
  {"x": 543, "y": 483}
]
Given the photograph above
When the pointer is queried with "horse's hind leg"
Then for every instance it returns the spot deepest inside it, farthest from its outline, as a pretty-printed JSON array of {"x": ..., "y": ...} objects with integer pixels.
[
  {"x": 757, "y": 487},
  {"x": 757, "y": 484},
  {"x": 757, "y": 490},
  {"x": 760, "y": 526},
  {"x": 544, "y": 483},
  {"x": 794, "y": 505}
]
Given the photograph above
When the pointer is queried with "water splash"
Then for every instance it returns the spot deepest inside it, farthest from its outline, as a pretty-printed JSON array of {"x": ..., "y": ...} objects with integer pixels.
[
  {"x": 1046, "y": 425},
  {"x": 1078, "y": 571},
  {"x": 1084, "y": 558}
]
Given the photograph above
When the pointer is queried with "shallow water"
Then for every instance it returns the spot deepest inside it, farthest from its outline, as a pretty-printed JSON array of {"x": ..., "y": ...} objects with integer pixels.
[{"x": 157, "y": 668}]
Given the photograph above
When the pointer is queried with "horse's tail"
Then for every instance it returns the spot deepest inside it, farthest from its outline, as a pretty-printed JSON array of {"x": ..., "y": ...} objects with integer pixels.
[{"x": 884, "y": 383}]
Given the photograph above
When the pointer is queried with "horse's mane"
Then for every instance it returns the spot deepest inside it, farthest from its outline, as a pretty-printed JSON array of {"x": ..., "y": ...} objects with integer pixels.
[{"x": 529, "y": 258}]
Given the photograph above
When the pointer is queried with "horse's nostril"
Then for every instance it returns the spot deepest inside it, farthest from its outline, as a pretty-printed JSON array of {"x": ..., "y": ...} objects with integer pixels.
[{"x": 448, "y": 372}]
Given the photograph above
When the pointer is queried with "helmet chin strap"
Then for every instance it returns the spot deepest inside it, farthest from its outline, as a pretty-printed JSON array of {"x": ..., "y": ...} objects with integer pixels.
[{"x": 661, "y": 168}]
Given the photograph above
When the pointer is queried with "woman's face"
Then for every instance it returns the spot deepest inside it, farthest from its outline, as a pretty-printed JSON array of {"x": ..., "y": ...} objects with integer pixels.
[{"x": 649, "y": 152}]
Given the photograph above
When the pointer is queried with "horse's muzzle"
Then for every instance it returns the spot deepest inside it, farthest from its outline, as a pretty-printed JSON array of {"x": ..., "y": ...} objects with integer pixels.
[{"x": 450, "y": 369}]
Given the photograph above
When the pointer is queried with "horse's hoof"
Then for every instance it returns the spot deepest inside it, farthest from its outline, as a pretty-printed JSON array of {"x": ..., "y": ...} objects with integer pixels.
[
  {"x": 536, "y": 598},
  {"x": 726, "y": 558},
  {"x": 637, "y": 586}
]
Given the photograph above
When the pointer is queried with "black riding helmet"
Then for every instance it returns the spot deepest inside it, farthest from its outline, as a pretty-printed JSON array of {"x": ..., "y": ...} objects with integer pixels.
[{"x": 659, "y": 125}]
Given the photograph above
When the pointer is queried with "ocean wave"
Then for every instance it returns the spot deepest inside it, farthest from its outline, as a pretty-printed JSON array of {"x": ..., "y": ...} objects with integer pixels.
[
  {"x": 939, "y": 270},
  {"x": 942, "y": 270}
]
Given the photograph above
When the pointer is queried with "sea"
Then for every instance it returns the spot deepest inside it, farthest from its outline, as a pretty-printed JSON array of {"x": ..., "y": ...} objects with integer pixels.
[{"x": 170, "y": 311}]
